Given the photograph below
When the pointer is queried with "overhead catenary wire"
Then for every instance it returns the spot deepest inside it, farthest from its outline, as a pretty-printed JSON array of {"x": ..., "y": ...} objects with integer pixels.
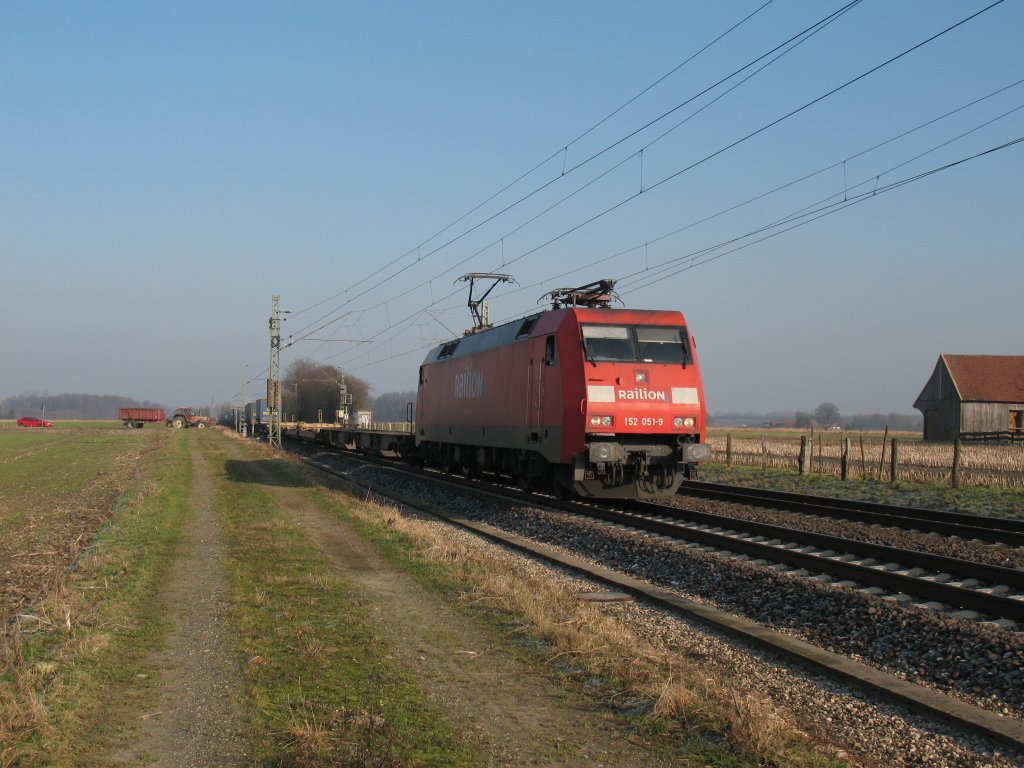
[
  {"x": 872, "y": 177},
  {"x": 809, "y": 215},
  {"x": 763, "y": 128},
  {"x": 807, "y": 219},
  {"x": 807, "y": 176},
  {"x": 794, "y": 220},
  {"x": 754, "y": 133},
  {"x": 807, "y": 31},
  {"x": 526, "y": 174}
]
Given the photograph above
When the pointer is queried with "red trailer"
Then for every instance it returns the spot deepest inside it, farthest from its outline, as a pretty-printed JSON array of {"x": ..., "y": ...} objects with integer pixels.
[{"x": 139, "y": 417}]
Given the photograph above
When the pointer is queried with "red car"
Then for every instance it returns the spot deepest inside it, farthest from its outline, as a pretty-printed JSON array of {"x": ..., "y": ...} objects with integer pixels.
[{"x": 32, "y": 421}]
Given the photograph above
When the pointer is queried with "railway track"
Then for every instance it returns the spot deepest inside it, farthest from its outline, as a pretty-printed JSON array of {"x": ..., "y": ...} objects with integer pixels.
[
  {"x": 991, "y": 529},
  {"x": 936, "y": 580},
  {"x": 966, "y": 716},
  {"x": 965, "y": 588}
]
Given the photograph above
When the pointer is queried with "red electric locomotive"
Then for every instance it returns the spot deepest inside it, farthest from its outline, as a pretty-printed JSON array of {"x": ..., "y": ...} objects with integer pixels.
[{"x": 581, "y": 398}]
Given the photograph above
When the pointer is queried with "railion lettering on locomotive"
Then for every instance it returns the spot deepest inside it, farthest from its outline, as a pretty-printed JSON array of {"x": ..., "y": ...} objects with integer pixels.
[
  {"x": 469, "y": 384},
  {"x": 642, "y": 394}
]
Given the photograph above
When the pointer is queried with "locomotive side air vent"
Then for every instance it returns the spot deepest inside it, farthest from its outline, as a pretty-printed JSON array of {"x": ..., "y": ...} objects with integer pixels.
[
  {"x": 526, "y": 327},
  {"x": 448, "y": 349}
]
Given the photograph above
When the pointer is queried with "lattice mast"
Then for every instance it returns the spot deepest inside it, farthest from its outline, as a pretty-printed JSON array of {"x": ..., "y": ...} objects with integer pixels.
[{"x": 274, "y": 382}]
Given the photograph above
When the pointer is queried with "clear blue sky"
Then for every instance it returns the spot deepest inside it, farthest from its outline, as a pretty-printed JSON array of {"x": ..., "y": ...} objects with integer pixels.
[{"x": 167, "y": 167}]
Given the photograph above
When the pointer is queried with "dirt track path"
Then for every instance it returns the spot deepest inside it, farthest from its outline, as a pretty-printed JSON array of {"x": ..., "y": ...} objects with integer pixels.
[
  {"x": 194, "y": 720},
  {"x": 511, "y": 713},
  {"x": 514, "y": 715}
]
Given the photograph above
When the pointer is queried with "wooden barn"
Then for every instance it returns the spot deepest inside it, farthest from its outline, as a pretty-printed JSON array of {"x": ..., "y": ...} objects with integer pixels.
[{"x": 974, "y": 397}]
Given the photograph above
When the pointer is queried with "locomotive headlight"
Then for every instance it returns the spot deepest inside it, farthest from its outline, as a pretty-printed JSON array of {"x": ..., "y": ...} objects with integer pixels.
[
  {"x": 679, "y": 421},
  {"x": 601, "y": 421}
]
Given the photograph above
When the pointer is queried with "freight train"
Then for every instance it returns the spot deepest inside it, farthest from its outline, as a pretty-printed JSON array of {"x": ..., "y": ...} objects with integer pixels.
[{"x": 580, "y": 399}]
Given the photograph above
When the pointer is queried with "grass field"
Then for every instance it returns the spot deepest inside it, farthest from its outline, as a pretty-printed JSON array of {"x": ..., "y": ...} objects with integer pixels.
[{"x": 91, "y": 520}]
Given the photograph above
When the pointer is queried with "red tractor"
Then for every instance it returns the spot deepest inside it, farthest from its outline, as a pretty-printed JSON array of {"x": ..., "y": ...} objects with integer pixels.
[{"x": 187, "y": 417}]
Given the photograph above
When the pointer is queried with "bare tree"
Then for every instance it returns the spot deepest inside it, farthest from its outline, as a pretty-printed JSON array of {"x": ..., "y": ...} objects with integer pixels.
[
  {"x": 827, "y": 413},
  {"x": 393, "y": 406},
  {"x": 310, "y": 389}
]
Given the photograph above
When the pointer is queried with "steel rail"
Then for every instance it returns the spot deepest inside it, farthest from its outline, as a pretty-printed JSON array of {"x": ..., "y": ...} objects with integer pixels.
[
  {"x": 910, "y": 558},
  {"x": 992, "y": 529},
  {"x": 995, "y": 605}
]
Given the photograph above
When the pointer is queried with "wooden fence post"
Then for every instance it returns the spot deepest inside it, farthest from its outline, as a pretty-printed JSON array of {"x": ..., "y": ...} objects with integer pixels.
[
  {"x": 844, "y": 461},
  {"x": 881, "y": 459},
  {"x": 894, "y": 460},
  {"x": 764, "y": 454},
  {"x": 956, "y": 464},
  {"x": 804, "y": 458},
  {"x": 863, "y": 461},
  {"x": 728, "y": 449}
]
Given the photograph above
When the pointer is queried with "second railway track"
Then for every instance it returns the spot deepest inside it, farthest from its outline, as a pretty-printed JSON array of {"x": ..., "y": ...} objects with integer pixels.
[{"x": 991, "y": 529}]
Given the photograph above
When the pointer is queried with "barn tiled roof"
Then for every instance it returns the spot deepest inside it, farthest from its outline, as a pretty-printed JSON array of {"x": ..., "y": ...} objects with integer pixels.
[{"x": 987, "y": 378}]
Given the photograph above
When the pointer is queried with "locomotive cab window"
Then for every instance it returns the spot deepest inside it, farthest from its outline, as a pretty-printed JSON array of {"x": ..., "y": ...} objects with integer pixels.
[
  {"x": 609, "y": 343},
  {"x": 550, "y": 358},
  {"x": 661, "y": 344}
]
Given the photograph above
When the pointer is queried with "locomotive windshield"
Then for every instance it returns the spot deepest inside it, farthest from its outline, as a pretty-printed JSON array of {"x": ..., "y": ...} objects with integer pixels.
[
  {"x": 609, "y": 343},
  {"x": 662, "y": 344},
  {"x": 640, "y": 343}
]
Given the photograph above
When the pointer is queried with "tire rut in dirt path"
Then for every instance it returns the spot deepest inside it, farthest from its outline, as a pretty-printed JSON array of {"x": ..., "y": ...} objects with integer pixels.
[
  {"x": 194, "y": 720},
  {"x": 515, "y": 715}
]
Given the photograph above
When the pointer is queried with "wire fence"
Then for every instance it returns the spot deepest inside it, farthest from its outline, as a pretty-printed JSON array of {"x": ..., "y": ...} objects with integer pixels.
[{"x": 869, "y": 457}]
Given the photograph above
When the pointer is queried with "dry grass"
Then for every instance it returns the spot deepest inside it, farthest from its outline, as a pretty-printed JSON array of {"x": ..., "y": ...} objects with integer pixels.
[
  {"x": 1001, "y": 465},
  {"x": 57, "y": 577},
  {"x": 349, "y": 737},
  {"x": 592, "y": 640}
]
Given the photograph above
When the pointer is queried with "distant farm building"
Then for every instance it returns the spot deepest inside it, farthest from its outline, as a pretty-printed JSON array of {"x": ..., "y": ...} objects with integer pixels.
[{"x": 974, "y": 397}]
